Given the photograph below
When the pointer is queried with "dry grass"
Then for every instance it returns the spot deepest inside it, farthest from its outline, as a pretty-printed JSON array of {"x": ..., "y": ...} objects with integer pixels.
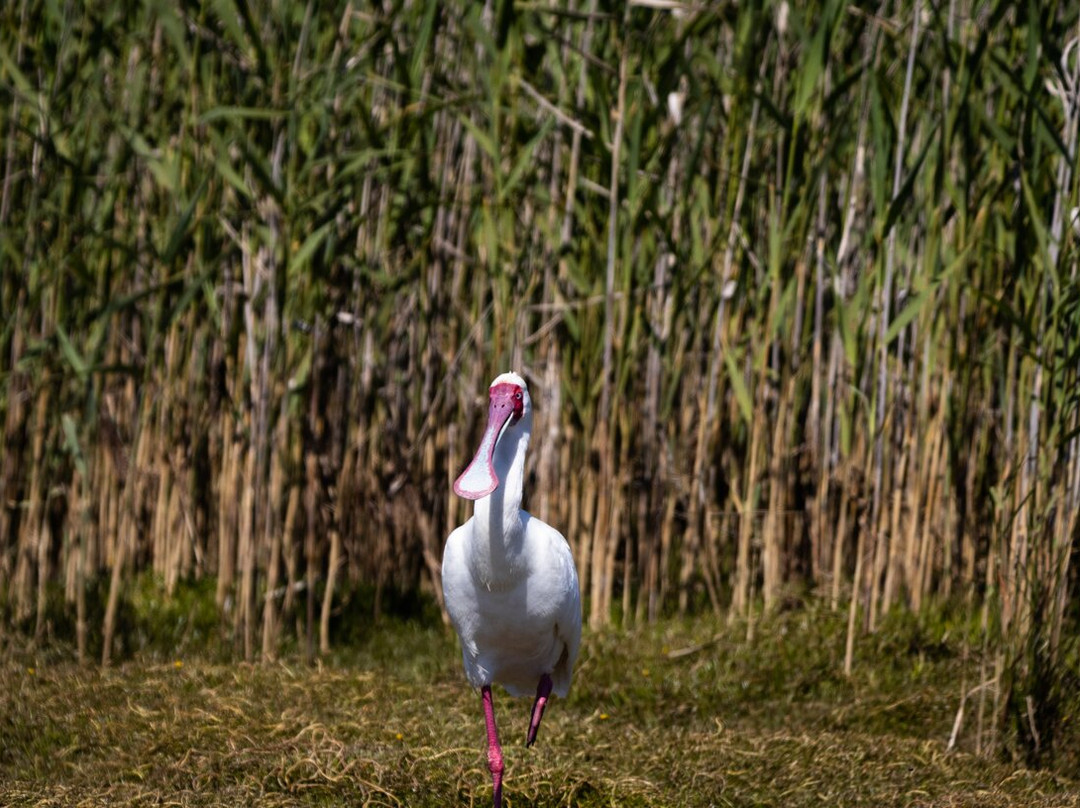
[{"x": 681, "y": 714}]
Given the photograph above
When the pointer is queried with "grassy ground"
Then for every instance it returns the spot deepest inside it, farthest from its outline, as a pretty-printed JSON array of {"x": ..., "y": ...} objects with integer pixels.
[{"x": 687, "y": 714}]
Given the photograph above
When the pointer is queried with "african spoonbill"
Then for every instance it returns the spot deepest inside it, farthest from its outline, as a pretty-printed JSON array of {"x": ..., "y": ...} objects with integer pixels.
[{"x": 509, "y": 580}]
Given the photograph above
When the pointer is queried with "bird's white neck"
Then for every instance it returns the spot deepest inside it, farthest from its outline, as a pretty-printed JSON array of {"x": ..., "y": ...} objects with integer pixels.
[{"x": 497, "y": 518}]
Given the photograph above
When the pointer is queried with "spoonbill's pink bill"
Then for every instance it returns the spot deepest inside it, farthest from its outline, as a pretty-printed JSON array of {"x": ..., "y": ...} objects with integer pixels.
[{"x": 508, "y": 578}]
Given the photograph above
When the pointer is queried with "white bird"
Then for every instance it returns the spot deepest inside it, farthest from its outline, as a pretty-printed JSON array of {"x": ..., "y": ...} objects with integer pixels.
[{"x": 509, "y": 580}]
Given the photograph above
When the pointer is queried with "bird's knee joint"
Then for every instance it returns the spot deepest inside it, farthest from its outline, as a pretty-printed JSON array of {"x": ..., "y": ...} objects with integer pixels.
[{"x": 495, "y": 763}]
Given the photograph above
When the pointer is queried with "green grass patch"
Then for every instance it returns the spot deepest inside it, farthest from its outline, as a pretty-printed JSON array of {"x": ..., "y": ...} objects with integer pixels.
[{"x": 688, "y": 713}]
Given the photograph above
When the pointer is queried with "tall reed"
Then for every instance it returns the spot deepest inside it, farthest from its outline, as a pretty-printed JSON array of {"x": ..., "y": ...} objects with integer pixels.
[{"x": 795, "y": 289}]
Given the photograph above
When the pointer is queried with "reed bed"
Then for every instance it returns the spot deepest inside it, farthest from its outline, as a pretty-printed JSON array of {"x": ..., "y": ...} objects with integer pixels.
[{"x": 794, "y": 288}]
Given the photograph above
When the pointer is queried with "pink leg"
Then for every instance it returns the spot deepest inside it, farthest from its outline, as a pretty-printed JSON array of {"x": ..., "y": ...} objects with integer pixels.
[
  {"x": 543, "y": 690},
  {"x": 495, "y": 758}
]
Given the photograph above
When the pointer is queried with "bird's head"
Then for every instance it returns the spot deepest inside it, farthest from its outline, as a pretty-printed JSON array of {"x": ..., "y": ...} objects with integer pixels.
[{"x": 509, "y": 407}]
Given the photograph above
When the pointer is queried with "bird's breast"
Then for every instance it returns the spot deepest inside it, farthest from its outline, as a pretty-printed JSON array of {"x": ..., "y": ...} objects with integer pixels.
[{"x": 496, "y": 578}]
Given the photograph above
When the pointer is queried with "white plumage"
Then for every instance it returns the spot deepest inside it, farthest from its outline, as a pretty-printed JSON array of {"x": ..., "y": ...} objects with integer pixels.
[
  {"x": 508, "y": 578},
  {"x": 518, "y": 616}
]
